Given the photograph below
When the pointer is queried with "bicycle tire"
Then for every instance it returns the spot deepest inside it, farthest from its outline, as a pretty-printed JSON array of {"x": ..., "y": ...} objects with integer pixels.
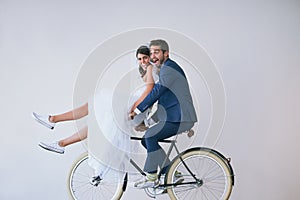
[
  {"x": 209, "y": 166},
  {"x": 80, "y": 188}
]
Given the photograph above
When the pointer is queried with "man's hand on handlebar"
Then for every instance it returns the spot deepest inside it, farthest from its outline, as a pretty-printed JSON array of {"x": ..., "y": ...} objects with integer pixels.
[{"x": 131, "y": 115}]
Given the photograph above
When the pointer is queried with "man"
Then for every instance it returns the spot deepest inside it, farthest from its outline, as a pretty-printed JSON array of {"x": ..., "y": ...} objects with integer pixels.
[{"x": 175, "y": 112}]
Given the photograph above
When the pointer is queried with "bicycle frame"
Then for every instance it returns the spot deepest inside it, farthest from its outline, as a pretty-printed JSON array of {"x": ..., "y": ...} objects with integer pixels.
[{"x": 173, "y": 145}]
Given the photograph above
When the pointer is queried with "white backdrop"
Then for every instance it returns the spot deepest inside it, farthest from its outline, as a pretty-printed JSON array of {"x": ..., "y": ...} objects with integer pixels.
[{"x": 254, "y": 44}]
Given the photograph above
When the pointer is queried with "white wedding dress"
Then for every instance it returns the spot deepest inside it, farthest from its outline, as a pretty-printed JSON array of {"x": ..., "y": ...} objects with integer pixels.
[{"x": 110, "y": 130}]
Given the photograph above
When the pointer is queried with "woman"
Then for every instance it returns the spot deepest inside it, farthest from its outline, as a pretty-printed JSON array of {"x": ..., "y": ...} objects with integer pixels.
[{"x": 149, "y": 76}]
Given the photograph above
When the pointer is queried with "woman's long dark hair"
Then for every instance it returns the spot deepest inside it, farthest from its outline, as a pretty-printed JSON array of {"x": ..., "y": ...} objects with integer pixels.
[{"x": 146, "y": 51}]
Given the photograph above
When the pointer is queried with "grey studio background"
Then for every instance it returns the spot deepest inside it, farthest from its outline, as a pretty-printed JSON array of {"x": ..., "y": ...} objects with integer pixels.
[{"x": 254, "y": 44}]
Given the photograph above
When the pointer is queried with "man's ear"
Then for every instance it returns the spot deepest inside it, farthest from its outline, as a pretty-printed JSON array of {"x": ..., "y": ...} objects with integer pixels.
[{"x": 166, "y": 54}]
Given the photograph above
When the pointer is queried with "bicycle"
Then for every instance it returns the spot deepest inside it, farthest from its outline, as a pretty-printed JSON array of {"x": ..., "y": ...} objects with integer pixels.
[{"x": 205, "y": 173}]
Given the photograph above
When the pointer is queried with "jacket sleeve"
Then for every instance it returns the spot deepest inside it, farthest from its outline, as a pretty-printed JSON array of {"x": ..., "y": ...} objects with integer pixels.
[
  {"x": 151, "y": 98},
  {"x": 166, "y": 79}
]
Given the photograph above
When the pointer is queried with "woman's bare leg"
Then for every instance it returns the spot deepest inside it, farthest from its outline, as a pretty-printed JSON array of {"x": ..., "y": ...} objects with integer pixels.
[
  {"x": 77, "y": 113},
  {"x": 76, "y": 137}
]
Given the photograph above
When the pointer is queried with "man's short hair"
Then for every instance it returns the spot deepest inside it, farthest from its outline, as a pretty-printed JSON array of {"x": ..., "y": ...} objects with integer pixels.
[{"x": 161, "y": 43}]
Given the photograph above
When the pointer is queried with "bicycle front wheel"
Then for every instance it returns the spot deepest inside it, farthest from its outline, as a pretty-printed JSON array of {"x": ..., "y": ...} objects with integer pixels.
[
  {"x": 81, "y": 188},
  {"x": 204, "y": 175}
]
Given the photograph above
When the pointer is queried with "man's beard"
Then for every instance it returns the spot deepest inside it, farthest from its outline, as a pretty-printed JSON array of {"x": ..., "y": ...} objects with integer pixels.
[{"x": 161, "y": 61}]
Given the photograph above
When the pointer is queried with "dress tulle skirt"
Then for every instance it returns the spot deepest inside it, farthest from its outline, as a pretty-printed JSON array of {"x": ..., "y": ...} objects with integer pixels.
[{"x": 109, "y": 131}]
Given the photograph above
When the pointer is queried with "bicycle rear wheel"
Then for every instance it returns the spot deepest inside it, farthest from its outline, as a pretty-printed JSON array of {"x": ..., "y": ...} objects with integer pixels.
[
  {"x": 80, "y": 187},
  {"x": 213, "y": 176}
]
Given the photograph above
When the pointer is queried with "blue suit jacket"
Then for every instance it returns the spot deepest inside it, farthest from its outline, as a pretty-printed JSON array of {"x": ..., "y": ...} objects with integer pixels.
[{"x": 172, "y": 92}]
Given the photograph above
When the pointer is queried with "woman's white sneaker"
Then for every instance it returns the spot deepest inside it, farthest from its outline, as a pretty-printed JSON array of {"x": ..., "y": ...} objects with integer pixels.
[
  {"x": 54, "y": 147},
  {"x": 44, "y": 120}
]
